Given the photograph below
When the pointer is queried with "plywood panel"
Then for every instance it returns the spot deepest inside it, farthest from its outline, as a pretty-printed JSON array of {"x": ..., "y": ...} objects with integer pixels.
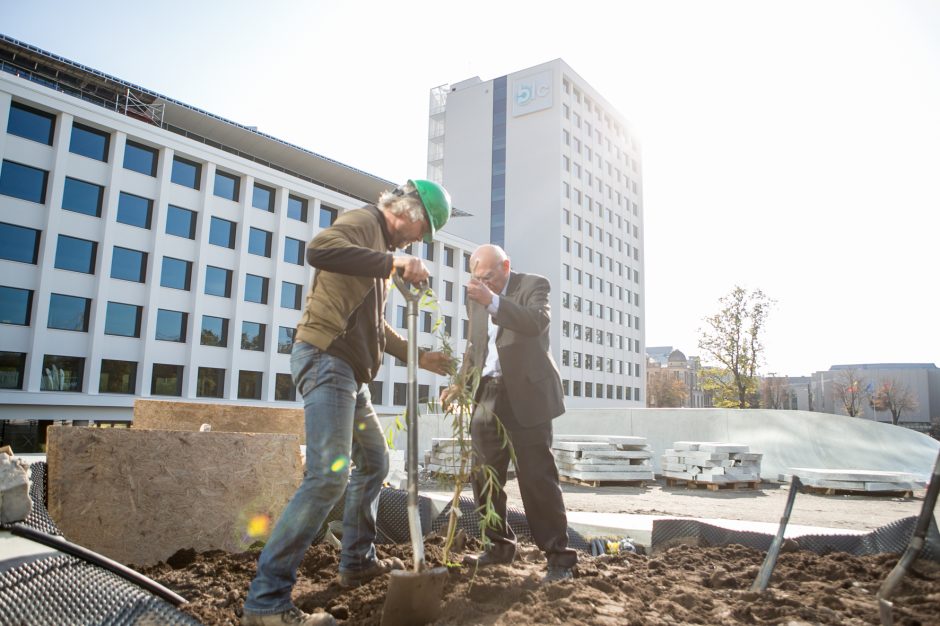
[{"x": 237, "y": 418}]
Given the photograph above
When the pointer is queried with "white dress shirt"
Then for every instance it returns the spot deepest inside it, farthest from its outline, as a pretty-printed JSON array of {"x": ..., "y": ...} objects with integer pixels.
[{"x": 491, "y": 366}]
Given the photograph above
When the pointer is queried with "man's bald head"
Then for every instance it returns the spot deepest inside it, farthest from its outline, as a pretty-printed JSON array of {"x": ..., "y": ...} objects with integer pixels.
[{"x": 490, "y": 265}]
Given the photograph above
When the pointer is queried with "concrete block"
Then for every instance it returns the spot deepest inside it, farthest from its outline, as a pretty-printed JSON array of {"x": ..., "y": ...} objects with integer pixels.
[
  {"x": 858, "y": 475},
  {"x": 15, "y": 503},
  {"x": 722, "y": 447},
  {"x": 574, "y": 446},
  {"x": 616, "y": 454},
  {"x": 593, "y": 467},
  {"x": 619, "y": 440},
  {"x": 685, "y": 445},
  {"x": 611, "y": 476}
]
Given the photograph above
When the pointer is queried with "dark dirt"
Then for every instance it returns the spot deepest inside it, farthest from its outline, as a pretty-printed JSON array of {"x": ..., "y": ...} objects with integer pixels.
[{"x": 682, "y": 585}]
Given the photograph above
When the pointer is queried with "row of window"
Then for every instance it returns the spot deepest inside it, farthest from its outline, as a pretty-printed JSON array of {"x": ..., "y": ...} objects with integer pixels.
[
  {"x": 613, "y": 126},
  {"x": 599, "y": 310},
  {"x": 597, "y": 232},
  {"x": 621, "y": 155},
  {"x": 585, "y": 200},
  {"x": 597, "y": 390},
  {"x": 596, "y": 257},
  {"x": 598, "y": 284},
  {"x": 591, "y": 335},
  {"x": 67, "y": 373},
  {"x": 592, "y": 362}
]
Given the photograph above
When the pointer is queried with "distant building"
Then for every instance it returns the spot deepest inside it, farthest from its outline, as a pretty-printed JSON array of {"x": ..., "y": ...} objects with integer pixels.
[{"x": 664, "y": 361}]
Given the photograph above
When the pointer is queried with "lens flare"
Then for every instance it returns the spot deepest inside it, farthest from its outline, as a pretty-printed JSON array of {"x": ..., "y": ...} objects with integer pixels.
[
  {"x": 361, "y": 425},
  {"x": 259, "y": 526},
  {"x": 339, "y": 464}
]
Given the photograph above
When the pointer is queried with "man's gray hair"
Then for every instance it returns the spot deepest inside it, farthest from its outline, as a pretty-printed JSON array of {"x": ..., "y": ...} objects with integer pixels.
[{"x": 403, "y": 202}]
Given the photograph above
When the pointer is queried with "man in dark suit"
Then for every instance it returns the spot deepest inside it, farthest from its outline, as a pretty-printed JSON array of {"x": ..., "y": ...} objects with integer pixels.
[{"x": 519, "y": 387}]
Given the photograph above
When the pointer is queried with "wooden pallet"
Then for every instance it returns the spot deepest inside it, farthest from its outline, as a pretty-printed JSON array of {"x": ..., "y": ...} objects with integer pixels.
[
  {"x": 602, "y": 483},
  {"x": 830, "y": 491},
  {"x": 698, "y": 484}
]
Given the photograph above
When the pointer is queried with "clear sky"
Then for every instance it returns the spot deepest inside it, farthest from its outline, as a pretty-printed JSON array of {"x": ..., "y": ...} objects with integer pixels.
[{"x": 792, "y": 146}]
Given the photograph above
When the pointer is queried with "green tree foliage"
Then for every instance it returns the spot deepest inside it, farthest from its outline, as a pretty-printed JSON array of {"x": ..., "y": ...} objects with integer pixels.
[{"x": 732, "y": 339}]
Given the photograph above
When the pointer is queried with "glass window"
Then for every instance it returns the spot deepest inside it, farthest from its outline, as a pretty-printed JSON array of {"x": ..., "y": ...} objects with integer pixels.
[
  {"x": 262, "y": 198},
  {"x": 171, "y": 325},
  {"x": 297, "y": 208},
  {"x": 448, "y": 256},
  {"x": 140, "y": 158},
  {"x": 127, "y": 264},
  {"x": 253, "y": 336},
  {"x": 118, "y": 377},
  {"x": 399, "y": 394},
  {"x": 24, "y": 182},
  {"x": 226, "y": 186},
  {"x": 291, "y": 295},
  {"x": 82, "y": 197},
  {"x": 176, "y": 273},
  {"x": 16, "y": 306},
  {"x": 12, "y": 369},
  {"x": 376, "y": 391},
  {"x": 185, "y": 173},
  {"x": 31, "y": 123},
  {"x": 134, "y": 210},
  {"x": 214, "y": 331},
  {"x": 256, "y": 289},
  {"x": 327, "y": 216},
  {"x": 222, "y": 232},
  {"x": 218, "y": 281},
  {"x": 180, "y": 222},
  {"x": 122, "y": 320},
  {"x": 249, "y": 385},
  {"x": 62, "y": 373},
  {"x": 284, "y": 387},
  {"x": 293, "y": 250},
  {"x": 75, "y": 255},
  {"x": 259, "y": 242},
  {"x": 18, "y": 243},
  {"x": 69, "y": 312},
  {"x": 285, "y": 339},
  {"x": 210, "y": 382},
  {"x": 89, "y": 142},
  {"x": 166, "y": 380}
]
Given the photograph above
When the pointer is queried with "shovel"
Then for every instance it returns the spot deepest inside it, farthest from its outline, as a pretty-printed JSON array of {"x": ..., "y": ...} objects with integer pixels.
[{"x": 414, "y": 597}]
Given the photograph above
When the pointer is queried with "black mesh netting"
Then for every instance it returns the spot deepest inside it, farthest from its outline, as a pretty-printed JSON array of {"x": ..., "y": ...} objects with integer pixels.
[{"x": 39, "y": 516}]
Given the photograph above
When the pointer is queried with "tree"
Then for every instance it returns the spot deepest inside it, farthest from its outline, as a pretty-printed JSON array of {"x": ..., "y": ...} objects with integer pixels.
[
  {"x": 848, "y": 388},
  {"x": 895, "y": 396},
  {"x": 666, "y": 391},
  {"x": 775, "y": 392},
  {"x": 732, "y": 338}
]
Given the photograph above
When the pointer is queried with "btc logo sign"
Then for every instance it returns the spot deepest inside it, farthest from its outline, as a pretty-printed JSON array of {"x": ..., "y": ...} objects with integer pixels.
[{"x": 532, "y": 93}]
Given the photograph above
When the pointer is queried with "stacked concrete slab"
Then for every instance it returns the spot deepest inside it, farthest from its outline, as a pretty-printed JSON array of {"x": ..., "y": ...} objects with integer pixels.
[
  {"x": 444, "y": 456},
  {"x": 711, "y": 463},
  {"x": 853, "y": 480},
  {"x": 599, "y": 459}
]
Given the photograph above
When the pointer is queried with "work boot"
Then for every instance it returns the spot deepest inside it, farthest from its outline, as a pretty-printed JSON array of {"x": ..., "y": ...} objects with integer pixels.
[
  {"x": 293, "y": 616},
  {"x": 556, "y": 573},
  {"x": 355, "y": 578},
  {"x": 502, "y": 555}
]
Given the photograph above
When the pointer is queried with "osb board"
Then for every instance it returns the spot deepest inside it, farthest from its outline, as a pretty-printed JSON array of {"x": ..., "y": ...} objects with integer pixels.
[
  {"x": 231, "y": 418},
  {"x": 138, "y": 496}
]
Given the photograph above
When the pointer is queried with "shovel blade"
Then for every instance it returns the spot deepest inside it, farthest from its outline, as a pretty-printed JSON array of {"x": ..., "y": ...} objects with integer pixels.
[{"x": 413, "y": 598}]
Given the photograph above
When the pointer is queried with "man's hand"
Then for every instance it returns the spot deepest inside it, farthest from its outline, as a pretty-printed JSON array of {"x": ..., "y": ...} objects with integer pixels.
[
  {"x": 447, "y": 396},
  {"x": 413, "y": 269},
  {"x": 479, "y": 292},
  {"x": 437, "y": 362}
]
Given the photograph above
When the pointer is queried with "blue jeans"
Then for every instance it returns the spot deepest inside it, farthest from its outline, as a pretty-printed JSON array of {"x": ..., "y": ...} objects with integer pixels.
[{"x": 342, "y": 430}]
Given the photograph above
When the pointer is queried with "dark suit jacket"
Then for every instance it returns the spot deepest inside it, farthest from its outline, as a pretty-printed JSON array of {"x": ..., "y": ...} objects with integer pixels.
[{"x": 530, "y": 375}]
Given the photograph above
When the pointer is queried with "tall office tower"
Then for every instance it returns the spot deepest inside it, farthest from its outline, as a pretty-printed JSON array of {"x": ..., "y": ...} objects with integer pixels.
[{"x": 551, "y": 171}]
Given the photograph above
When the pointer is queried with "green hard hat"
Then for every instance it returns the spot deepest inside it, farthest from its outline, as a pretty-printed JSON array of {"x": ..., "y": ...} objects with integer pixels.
[{"x": 436, "y": 203}]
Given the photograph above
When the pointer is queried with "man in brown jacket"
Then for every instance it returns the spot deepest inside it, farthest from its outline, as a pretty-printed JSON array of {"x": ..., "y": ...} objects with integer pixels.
[{"x": 337, "y": 352}]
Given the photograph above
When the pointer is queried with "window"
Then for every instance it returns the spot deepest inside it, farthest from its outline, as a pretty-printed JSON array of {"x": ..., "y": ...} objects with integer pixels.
[
  {"x": 291, "y": 295},
  {"x": 429, "y": 251},
  {"x": 89, "y": 142},
  {"x": 297, "y": 208},
  {"x": 448, "y": 291},
  {"x": 12, "y": 369},
  {"x": 171, "y": 325},
  {"x": 214, "y": 331},
  {"x": 122, "y": 319},
  {"x": 377, "y": 391},
  {"x": 24, "y": 182},
  {"x": 259, "y": 242},
  {"x": 576, "y": 359},
  {"x": 16, "y": 306},
  {"x": 399, "y": 394},
  {"x": 566, "y": 299},
  {"x": 249, "y": 385},
  {"x": 127, "y": 264},
  {"x": 285, "y": 339},
  {"x": 166, "y": 380},
  {"x": 464, "y": 329},
  {"x": 566, "y": 386},
  {"x": 140, "y": 158},
  {"x": 565, "y": 357},
  {"x": 185, "y": 173},
  {"x": 75, "y": 255},
  {"x": 218, "y": 281},
  {"x": 222, "y": 233},
  {"x": 262, "y": 198},
  {"x": 180, "y": 222},
  {"x": 253, "y": 336},
  {"x": 31, "y": 123},
  {"x": 226, "y": 186},
  {"x": 284, "y": 388},
  {"x": 176, "y": 273},
  {"x": 134, "y": 210},
  {"x": 256, "y": 289},
  {"x": 210, "y": 382},
  {"x": 69, "y": 312},
  {"x": 18, "y": 243},
  {"x": 577, "y": 388},
  {"x": 448, "y": 256},
  {"x": 293, "y": 251},
  {"x": 327, "y": 216},
  {"x": 117, "y": 377},
  {"x": 62, "y": 373},
  {"x": 466, "y": 261},
  {"x": 588, "y": 389},
  {"x": 448, "y": 325}
]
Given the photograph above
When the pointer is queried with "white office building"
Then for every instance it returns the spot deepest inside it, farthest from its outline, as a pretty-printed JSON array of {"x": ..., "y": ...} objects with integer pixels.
[
  {"x": 552, "y": 172},
  {"x": 148, "y": 248}
]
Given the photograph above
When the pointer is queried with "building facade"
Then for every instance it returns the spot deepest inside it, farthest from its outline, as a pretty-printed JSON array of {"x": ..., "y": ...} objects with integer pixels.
[
  {"x": 549, "y": 170},
  {"x": 150, "y": 249},
  {"x": 664, "y": 361}
]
